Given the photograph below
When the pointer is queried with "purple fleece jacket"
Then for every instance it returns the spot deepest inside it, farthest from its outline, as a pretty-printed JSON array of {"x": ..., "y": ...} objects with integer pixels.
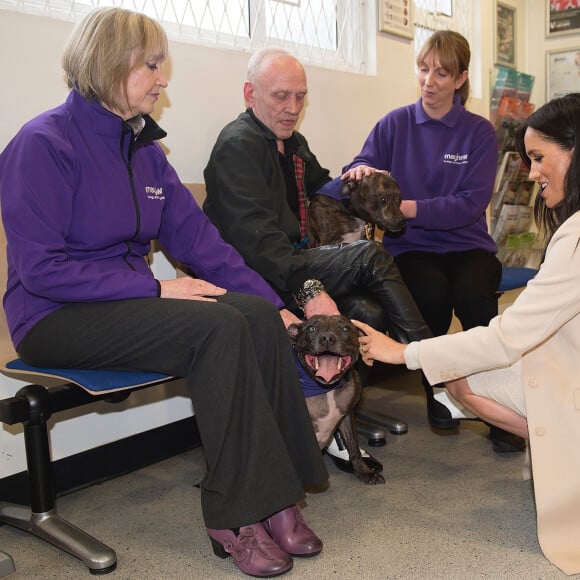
[
  {"x": 448, "y": 166},
  {"x": 81, "y": 201}
]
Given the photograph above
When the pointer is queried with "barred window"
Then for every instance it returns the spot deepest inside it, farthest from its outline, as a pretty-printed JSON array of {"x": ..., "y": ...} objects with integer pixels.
[{"x": 329, "y": 33}]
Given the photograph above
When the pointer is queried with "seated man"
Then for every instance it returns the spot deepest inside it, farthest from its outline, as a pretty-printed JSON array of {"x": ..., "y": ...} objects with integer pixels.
[{"x": 258, "y": 179}]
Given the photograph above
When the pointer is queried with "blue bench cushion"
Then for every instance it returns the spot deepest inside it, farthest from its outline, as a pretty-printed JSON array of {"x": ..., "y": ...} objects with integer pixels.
[
  {"x": 512, "y": 278},
  {"x": 95, "y": 381}
]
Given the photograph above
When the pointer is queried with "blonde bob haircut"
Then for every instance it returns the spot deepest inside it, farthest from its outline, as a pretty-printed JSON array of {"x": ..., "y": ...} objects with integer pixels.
[
  {"x": 103, "y": 50},
  {"x": 453, "y": 53}
]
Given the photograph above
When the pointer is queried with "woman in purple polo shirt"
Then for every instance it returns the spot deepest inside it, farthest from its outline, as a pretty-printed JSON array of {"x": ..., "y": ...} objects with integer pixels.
[{"x": 444, "y": 158}]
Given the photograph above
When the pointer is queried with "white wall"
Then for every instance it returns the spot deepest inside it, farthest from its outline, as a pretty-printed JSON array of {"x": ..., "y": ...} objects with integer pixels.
[{"x": 204, "y": 93}]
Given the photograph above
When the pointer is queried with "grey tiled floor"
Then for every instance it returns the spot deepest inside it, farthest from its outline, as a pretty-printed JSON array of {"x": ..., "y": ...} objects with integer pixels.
[{"x": 451, "y": 508}]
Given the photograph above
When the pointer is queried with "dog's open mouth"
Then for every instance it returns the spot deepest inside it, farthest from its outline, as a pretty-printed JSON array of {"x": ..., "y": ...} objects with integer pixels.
[{"x": 328, "y": 367}]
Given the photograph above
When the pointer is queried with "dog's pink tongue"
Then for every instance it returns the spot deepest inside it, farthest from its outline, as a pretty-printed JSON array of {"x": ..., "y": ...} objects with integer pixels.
[{"x": 327, "y": 367}]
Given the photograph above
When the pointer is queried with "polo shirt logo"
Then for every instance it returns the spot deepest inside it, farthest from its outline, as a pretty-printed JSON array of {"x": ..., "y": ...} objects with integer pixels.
[
  {"x": 154, "y": 192},
  {"x": 456, "y": 158}
]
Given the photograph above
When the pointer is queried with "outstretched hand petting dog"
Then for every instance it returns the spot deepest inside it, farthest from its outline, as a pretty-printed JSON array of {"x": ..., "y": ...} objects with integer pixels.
[{"x": 375, "y": 345}]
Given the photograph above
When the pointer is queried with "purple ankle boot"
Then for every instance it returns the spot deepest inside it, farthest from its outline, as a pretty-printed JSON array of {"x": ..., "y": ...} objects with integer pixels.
[
  {"x": 292, "y": 534},
  {"x": 253, "y": 550}
]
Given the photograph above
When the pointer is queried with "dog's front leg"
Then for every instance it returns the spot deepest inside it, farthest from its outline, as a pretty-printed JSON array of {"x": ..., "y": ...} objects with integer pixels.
[
  {"x": 361, "y": 469},
  {"x": 324, "y": 416}
]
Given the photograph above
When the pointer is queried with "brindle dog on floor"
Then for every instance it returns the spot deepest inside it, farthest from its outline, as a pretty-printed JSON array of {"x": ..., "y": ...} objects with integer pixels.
[
  {"x": 327, "y": 348},
  {"x": 373, "y": 201}
]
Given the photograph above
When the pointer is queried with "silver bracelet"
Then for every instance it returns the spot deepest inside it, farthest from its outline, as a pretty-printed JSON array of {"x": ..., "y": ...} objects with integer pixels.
[{"x": 310, "y": 289}]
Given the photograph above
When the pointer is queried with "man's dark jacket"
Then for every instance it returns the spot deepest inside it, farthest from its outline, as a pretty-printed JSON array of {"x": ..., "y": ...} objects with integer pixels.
[{"x": 246, "y": 199}]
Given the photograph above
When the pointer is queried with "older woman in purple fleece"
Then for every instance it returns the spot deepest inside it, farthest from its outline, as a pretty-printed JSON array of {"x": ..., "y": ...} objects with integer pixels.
[{"x": 84, "y": 188}]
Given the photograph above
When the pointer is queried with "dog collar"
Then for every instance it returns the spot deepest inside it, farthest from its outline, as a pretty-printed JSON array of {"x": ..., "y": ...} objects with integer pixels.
[
  {"x": 311, "y": 387},
  {"x": 369, "y": 231}
]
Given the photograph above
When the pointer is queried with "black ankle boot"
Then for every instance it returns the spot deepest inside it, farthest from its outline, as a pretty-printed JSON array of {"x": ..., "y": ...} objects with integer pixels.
[
  {"x": 504, "y": 441},
  {"x": 438, "y": 414}
]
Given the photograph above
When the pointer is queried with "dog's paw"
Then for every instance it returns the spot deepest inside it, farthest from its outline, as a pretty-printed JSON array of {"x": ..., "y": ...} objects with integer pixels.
[
  {"x": 372, "y": 478},
  {"x": 367, "y": 475}
]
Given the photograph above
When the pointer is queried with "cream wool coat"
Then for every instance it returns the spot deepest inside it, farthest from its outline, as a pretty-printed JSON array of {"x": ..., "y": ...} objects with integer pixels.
[{"x": 542, "y": 329}]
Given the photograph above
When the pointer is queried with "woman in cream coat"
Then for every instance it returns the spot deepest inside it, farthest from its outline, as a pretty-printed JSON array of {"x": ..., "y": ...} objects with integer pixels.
[{"x": 522, "y": 372}]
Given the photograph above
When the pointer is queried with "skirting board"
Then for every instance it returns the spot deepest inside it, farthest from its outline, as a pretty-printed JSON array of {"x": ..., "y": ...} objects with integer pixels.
[{"x": 108, "y": 461}]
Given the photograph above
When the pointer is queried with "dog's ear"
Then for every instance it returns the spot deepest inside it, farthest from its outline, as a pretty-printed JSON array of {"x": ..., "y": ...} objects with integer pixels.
[
  {"x": 348, "y": 187},
  {"x": 359, "y": 331},
  {"x": 293, "y": 331}
]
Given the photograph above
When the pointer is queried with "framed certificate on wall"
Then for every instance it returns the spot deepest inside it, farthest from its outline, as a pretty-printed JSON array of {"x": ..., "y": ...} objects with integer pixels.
[
  {"x": 396, "y": 17},
  {"x": 562, "y": 72}
]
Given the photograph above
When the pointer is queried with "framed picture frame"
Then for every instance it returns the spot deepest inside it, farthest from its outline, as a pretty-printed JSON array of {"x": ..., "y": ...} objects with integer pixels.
[
  {"x": 562, "y": 17},
  {"x": 562, "y": 72},
  {"x": 505, "y": 35},
  {"x": 396, "y": 17}
]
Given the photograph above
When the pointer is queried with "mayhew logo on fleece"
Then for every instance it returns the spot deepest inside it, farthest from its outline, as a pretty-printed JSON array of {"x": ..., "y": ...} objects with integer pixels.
[
  {"x": 456, "y": 158},
  {"x": 154, "y": 192}
]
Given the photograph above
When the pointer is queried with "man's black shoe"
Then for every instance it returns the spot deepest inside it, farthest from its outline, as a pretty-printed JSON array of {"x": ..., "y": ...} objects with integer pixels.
[
  {"x": 504, "y": 441},
  {"x": 346, "y": 466}
]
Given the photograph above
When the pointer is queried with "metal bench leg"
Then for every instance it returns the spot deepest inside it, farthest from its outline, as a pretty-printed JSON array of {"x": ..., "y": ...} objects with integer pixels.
[
  {"x": 6, "y": 564},
  {"x": 376, "y": 436},
  {"x": 49, "y": 526},
  {"x": 375, "y": 416},
  {"x": 42, "y": 519}
]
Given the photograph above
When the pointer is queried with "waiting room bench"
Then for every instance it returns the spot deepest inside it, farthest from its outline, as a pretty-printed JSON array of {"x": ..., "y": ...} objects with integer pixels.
[
  {"x": 513, "y": 278},
  {"x": 32, "y": 406}
]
